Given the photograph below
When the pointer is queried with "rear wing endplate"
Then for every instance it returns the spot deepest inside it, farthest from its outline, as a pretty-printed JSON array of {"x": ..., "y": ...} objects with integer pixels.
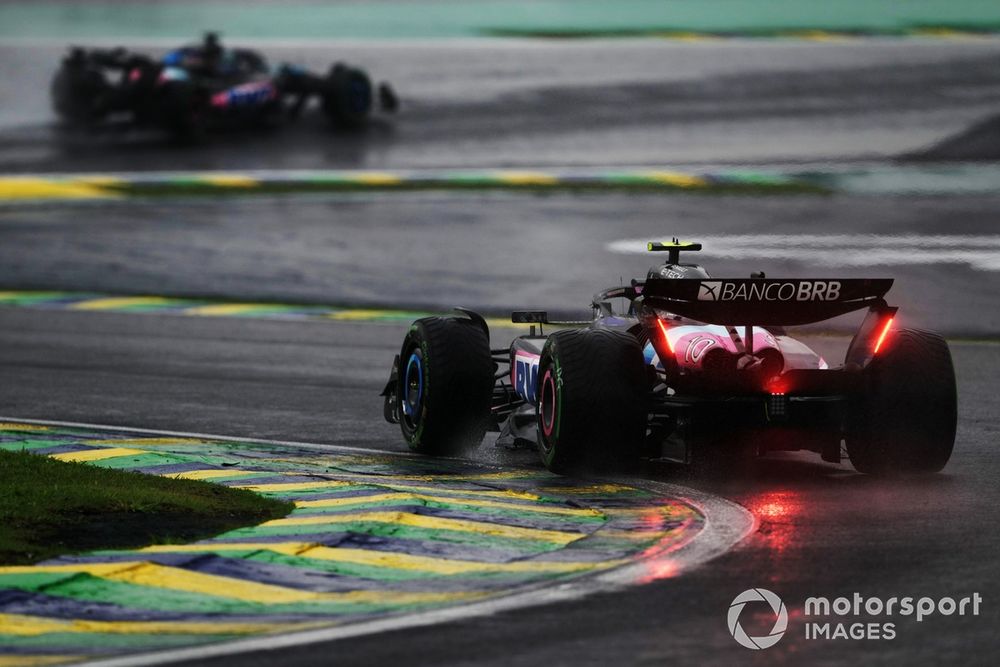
[{"x": 774, "y": 302}]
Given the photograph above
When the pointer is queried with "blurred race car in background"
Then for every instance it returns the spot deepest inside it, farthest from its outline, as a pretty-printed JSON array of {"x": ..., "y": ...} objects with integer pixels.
[
  {"x": 693, "y": 364},
  {"x": 205, "y": 86}
]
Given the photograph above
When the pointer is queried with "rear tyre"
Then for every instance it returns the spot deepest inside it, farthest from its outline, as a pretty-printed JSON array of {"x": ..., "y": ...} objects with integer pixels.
[
  {"x": 78, "y": 93},
  {"x": 592, "y": 392},
  {"x": 445, "y": 385},
  {"x": 347, "y": 96},
  {"x": 906, "y": 418}
]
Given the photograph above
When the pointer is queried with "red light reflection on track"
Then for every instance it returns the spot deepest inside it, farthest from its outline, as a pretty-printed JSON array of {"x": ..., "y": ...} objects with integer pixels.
[
  {"x": 777, "y": 512},
  {"x": 660, "y": 568}
]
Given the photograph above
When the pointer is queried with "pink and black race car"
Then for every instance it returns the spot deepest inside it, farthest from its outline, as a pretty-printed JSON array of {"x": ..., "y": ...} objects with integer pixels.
[
  {"x": 694, "y": 368},
  {"x": 204, "y": 86}
]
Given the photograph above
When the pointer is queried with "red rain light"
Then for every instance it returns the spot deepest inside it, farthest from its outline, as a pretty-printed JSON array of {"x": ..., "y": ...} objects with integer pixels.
[
  {"x": 778, "y": 386},
  {"x": 666, "y": 338},
  {"x": 881, "y": 336}
]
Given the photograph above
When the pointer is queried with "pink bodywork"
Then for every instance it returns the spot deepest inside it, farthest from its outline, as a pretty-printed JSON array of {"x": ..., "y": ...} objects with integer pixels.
[{"x": 692, "y": 343}]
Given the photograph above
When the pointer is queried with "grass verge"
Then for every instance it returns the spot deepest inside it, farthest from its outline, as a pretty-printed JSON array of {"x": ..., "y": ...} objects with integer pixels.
[{"x": 50, "y": 508}]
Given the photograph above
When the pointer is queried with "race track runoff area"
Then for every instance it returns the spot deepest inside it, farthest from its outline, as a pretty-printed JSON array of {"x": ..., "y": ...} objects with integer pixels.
[{"x": 372, "y": 535}]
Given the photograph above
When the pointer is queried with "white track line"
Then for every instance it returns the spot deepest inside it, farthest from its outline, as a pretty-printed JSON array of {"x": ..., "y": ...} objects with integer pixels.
[{"x": 726, "y": 525}]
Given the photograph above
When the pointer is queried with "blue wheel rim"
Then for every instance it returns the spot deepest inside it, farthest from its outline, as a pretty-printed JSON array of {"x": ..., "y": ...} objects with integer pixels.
[
  {"x": 359, "y": 93},
  {"x": 413, "y": 386}
]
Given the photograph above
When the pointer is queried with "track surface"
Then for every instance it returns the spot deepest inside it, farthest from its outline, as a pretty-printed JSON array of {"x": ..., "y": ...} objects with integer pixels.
[
  {"x": 515, "y": 103},
  {"x": 495, "y": 251},
  {"x": 824, "y": 530}
]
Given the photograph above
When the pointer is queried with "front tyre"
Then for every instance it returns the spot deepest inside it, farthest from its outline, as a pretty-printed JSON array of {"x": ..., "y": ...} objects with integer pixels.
[
  {"x": 905, "y": 421},
  {"x": 78, "y": 94},
  {"x": 445, "y": 385},
  {"x": 592, "y": 394},
  {"x": 347, "y": 96}
]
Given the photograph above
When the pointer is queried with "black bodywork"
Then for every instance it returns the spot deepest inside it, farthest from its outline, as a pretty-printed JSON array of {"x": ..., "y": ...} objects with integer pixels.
[
  {"x": 204, "y": 86},
  {"x": 719, "y": 374}
]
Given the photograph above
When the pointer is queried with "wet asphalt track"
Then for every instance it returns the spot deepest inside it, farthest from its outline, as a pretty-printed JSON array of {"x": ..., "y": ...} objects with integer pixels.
[
  {"x": 524, "y": 103},
  {"x": 824, "y": 530}
]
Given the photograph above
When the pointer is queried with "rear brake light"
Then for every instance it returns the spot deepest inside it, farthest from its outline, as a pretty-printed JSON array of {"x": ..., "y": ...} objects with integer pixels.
[
  {"x": 882, "y": 335},
  {"x": 666, "y": 338}
]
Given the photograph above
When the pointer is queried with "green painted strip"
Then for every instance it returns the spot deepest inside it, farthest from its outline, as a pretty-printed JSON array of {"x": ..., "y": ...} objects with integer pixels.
[
  {"x": 375, "y": 573},
  {"x": 30, "y": 444},
  {"x": 803, "y": 32},
  {"x": 204, "y": 308},
  {"x": 456, "y": 505},
  {"x": 394, "y": 19},
  {"x": 377, "y": 529},
  {"x": 93, "y": 589},
  {"x": 139, "y": 461},
  {"x": 98, "y": 186}
]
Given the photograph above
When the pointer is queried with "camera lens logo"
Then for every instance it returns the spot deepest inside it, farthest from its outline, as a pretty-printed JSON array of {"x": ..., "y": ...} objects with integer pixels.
[
  {"x": 709, "y": 291},
  {"x": 780, "y": 618}
]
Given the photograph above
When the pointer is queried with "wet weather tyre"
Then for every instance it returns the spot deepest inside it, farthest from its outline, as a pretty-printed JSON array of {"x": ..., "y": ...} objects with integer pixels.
[
  {"x": 347, "y": 96},
  {"x": 77, "y": 94},
  {"x": 445, "y": 385},
  {"x": 592, "y": 395},
  {"x": 905, "y": 421}
]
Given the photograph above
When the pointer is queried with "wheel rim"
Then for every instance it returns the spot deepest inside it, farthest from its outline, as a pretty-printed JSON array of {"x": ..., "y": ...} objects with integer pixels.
[
  {"x": 547, "y": 404},
  {"x": 359, "y": 95},
  {"x": 413, "y": 387}
]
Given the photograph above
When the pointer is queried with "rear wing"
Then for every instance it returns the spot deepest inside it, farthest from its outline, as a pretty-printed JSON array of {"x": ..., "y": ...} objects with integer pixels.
[{"x": 774, "y": 302}]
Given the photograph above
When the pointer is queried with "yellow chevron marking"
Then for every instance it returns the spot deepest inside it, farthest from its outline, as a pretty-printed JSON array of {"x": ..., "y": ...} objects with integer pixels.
[
  {"x": 147, "y": 442},
  {"x": 439, "y": 490},
  {"x": 229, "y": 180},
  {"x": 229, "y": 308},
  {"x": 114, "y": 303},
  {"x": 386, "y": 559},
  {"x": 361, "y": 315},
  {"x": 687, "y": 36},
  {"x": 98, "y": 454},
  {"x": 676, "y": 178},
  {"x": 214, "y": 473},
  {"x": 526, "y": 178},
  {"x": 432, "y": 523},
  {"x": 403, "y": 497},
  {"x": 294, "y": 486},
  {"x": 375, "y": 178},
  {"x": 815, "y": 35},
  {"x": 22, "y": 427},
  {"x": 31, "y": 626},
  {"x": 375, "y": 482},
  {"x": 633, "y": 535},
  {"x": 590, "y": 489},
  {"x": 515, "y": 474},
  {"x": 37, "y": 660},
  {"x": 43, "y": 188},
  {"x": 944, "y": 32},
  {"x": 143, "y": 573}
]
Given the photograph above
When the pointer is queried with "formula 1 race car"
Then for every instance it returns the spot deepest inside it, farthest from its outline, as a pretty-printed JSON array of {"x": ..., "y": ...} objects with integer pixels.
[
  {"x": 201, "y": 86},
  {"x": 693, "y": 364}
]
